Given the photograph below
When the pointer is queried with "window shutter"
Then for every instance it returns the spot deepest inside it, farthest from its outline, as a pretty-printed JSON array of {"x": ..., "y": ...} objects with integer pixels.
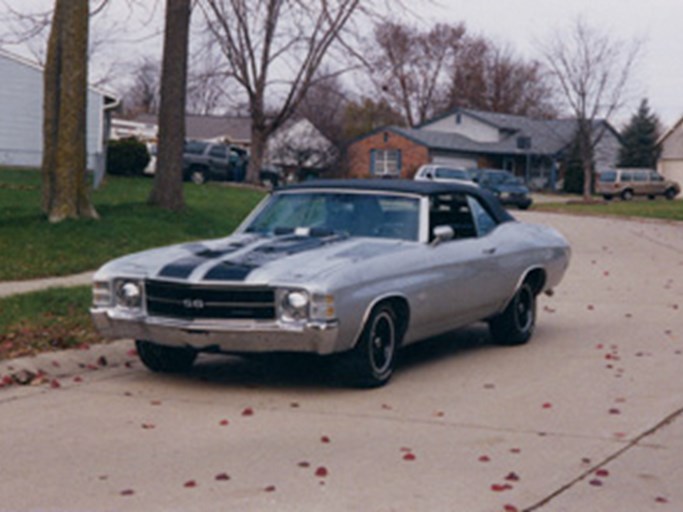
[
  {"x": 398, "y": 161},
  {"x": 373, "y": 157}
]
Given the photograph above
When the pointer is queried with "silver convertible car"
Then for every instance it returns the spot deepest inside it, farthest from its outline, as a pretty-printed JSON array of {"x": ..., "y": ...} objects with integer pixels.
[{"x": 356, "y": 268}]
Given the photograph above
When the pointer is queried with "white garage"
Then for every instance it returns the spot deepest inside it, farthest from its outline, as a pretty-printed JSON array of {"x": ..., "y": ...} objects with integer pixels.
[{"x": 670, "y": 163}]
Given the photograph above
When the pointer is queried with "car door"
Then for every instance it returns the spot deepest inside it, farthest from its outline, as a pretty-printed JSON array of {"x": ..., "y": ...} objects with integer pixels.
[
  {"x": 459, "y": 276},
  {"x": 219, "y": 164}
]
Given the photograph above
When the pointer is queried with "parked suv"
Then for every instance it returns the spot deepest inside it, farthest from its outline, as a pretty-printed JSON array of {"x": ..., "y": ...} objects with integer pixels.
[
  {"x": 435, "y": 172},
  {"x": 203, "y": 161},
  {"x": 627, "y": 183},
  {"x": 508, "y": 187}
]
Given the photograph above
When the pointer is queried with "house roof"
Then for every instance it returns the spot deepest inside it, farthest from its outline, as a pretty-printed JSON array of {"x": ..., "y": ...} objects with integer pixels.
[
  {"x": 547, "y": 136},
  {"x": 237, "y": 129}
]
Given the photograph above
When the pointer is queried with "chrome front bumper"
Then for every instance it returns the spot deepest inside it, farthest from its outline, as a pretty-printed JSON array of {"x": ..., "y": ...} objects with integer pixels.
[{"x": 230, "y": 336}]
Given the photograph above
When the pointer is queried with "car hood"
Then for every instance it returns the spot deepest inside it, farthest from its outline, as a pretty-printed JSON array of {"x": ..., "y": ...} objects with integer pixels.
[{"x": 288, "y": 259}]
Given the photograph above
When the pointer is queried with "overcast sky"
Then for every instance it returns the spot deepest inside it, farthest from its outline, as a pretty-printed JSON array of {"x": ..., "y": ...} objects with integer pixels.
[{"x": 524, "y": 25}]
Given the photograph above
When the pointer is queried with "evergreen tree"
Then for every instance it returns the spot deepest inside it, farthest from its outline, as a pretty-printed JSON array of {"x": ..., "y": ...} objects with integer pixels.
[{"x": 639, "y": 139}]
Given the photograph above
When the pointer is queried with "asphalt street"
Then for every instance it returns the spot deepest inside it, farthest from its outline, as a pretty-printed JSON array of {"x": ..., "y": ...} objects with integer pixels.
[{"x": 586, "y": 417}]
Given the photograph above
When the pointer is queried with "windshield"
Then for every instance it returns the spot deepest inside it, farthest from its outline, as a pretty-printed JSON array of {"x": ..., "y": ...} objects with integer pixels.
[
  {"x": 452, "y": 174},
  {"x": 353, "y": 214}
]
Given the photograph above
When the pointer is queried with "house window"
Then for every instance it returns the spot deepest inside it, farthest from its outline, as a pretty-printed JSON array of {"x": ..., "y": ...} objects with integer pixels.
[{"x": 385, "y": 162}]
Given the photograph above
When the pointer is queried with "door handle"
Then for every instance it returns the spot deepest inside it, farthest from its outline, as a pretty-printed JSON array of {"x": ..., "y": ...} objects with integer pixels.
[{"x": 490, "y": 250}]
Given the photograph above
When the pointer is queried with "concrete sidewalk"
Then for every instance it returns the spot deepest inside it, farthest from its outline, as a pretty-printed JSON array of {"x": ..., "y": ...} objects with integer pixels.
[{"x": 16, "y": 287}]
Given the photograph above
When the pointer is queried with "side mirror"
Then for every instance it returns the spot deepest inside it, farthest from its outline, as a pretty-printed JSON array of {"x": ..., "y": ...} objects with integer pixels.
[{"x": 442, "y": 234}]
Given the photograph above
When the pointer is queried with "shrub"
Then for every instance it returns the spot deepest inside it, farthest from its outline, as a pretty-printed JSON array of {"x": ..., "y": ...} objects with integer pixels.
[{"x": 127, "y": 157}]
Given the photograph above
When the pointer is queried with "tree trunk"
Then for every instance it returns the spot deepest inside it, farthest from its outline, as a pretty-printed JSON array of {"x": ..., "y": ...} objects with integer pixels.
[
  {"x": 167, "y": 191},
  {"x": 65, "y": 188},
  {"x": 257, "y": 151}
]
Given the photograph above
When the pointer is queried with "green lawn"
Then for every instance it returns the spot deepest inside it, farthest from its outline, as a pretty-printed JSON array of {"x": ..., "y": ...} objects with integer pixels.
[
  {"x": 31, "y": 247},
  {"x": 47, "y": 320},
  {"x": 655, "y": 209}
]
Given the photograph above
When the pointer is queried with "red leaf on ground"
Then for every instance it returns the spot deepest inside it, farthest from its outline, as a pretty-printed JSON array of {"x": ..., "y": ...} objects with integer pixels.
[
  {"x": 155, "y": 402},
  {"x": 102, "y": 361},
  {"x": 512, "y": 477},
  {"x": 596, "y": 483},
  {"x": 7, "y": 380},
  {"x": 56, "y": 364},
  {"x": 132, "y": 353},
  {"x": 325, "y": 439},
  {"x": 510, "y": 508},
  {"x": 270, "y": 488},
  {"x": 501, "y": 487},
  {"x": 224, "y": 423},
  {"x": 590, "y": 307},
  {"x": 148, "y": 426},
  {"x": 515, "y": 450},
  {"x": 304, "y": 464},
  {"x": 54, "y": 384},
  {"x": 409, "y": 456},
  {"x": 222, "y": 477},
  {"x": 248, "y": 412},
  {"x": 127, "y": 492},
  {"x": 190, "y": 484},
  {"x": 387, "y": 407},
  {"x": 602, "y": 473},
  {"x": 77, "y": 378},
  {"x": 547, "y": 405},
  {"x": 661, "y": 499},
  {"x": 484, "y": 458},
  {"x": 321, "y": 472},
  {"x": 614, "y": 410}
]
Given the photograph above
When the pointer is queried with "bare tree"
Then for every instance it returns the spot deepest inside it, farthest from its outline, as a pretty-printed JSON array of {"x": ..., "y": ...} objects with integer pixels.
[
  {"x": 411, "y": 68},
  {"x": 143, "y": 94},
  {"x": 65, "y": 189},
  {"x": 592, "y": 71},
  {"x": 167, "y": 190},
  {"x": 324, "y": 106},
  {"x": 269, "y": 37},
  {"x": 492, "y": 78},
  {"x": 209, "y": 85}
]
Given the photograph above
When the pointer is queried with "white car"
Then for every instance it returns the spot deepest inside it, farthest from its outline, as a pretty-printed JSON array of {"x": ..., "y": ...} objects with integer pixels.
[{"x": 436, "y": 172}]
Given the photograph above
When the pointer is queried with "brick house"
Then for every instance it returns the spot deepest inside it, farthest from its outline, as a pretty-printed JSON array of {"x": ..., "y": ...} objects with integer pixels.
[{"x": 533, "y": 149}]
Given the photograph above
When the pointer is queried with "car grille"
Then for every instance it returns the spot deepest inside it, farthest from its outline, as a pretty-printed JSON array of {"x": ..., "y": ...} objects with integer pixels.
[{"x": 179, "y": 300}]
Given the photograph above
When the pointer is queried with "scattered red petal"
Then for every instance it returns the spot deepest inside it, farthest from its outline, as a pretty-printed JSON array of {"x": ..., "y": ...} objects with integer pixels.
[
  {"x": 102, "y": 361},
  {"x": 190, "y": 484},
  {"x": 512, "y": 477},
  {"x": 614, "y": 410},
  {"x": 127, "y": 492},
  {"x": 304, "y": 464},
  {"x": 148, "y": 426},
  {"x": 387, "y": 407},
  {"x": 409, "y": 456},
  {"x": 590, "y": 307},
  {"x": 270, "y": 488},
  {"x": 321, "y": 472},
  {"x": 515, "y": 450},
  {"x": 596, "y": 483},
  {"x": 325, "y": 439},
  {"x": 78, "y": 378},
  {"x": 599, "y": 346},
  {"x": 602, "y": 473},
  {"x": 484, "y": 458},
  {"x": 547, "y": 405},
  {"x": 221, "y": 477},
  {"x": 510, "y": 508},
  {"x": 605, "y": 273},
  {"x": 248, "y": 412},
  {"x": 7, "y": 380},
  {"x": 54, "y": 384},
  {"x": 91, "y": 367},
  {"x": 155, "y": 402},
  {"x": 501, "y": 487},
  {"x": 56, "y": 364},
  {"x": 132, "y": 353},
  {"x": 224, "y": 423},
  {"x": 661, "y": 499},
  {"x": 294, "y": 405}
]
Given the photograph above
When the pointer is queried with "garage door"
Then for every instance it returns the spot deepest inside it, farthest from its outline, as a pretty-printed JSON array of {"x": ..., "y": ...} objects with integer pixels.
[
  {"x": 672, "y": 170},
  {"x": 462, "y": 163}
]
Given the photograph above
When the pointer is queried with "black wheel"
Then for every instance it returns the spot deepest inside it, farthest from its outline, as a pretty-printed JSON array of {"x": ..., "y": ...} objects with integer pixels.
[
  {"x": 371, "y": 363},
  {"x": 607, "y": 197},
  {"x": 670, "y": 194},
  {"x": 651, "y": 197},
  {"x": 197, "y": 176},
  {"x": 515, "y": 325},
  {"x": 160, "y": 358},
  {"x": 627, "y": 195}
]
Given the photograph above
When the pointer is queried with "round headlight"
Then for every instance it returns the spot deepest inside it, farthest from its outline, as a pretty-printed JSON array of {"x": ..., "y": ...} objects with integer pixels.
[
  {"x": 297, "y": 300},
  {"x": 129, "y": 295},
  {"x": 294, "y": 305}
]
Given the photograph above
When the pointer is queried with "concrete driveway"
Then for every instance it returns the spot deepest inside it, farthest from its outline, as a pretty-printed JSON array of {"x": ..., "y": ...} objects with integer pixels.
[{"x": 586, "y": 417}]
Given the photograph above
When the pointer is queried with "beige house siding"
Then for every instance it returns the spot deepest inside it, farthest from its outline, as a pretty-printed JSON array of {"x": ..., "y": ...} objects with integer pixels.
[{"x": 468, "y": 126}]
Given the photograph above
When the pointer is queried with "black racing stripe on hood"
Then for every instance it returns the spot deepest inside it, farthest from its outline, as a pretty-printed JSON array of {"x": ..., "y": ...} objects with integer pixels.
[
  {"x": 183, "y": 267},
  {"x": 239, "y": 269}
]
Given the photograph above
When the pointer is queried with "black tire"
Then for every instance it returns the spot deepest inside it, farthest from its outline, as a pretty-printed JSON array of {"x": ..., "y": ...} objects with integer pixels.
[
  {"x": 371, "y": 363},
  {"x": 163, "y": 359},
  {"x": 651, "y": 197},
  {"x": 515, "y": 325},
  {"x": 670, "y": 194},
  {"x": 627, "y": 194},
  {"x": 197, "y": 175},
  {"x": 607, "y": 197}
]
